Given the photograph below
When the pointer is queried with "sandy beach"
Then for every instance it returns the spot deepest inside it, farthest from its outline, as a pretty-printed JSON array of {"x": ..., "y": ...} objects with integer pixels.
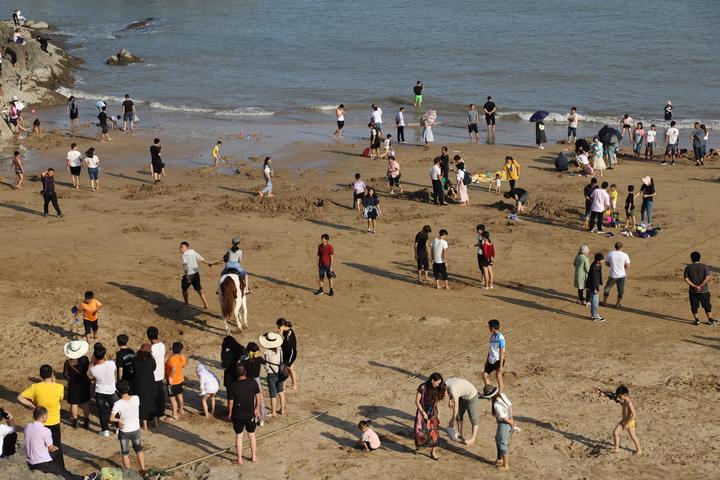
[{"x": 363, "y": 352}]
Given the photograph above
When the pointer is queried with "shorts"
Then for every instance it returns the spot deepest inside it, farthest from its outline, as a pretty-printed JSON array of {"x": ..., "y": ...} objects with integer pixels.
[
  {"x": 275, "y": 386},
  {"x": 104, "y": 128},
  {"x": 324, "y": 272},
  {"x": 126, "y": 438},
  {"x": 340, "y": 124},
  {"x": 14, "y": 121},
  {"x": 357, "y": 196},
  {"x": 523, "y": 199},
  {"x": 240, "y": 424},
  {"x": 418, "y": 99},
  {"x": 193, "y": 280},
  {"x": 90, "y": 326},
  {"x": 671, "y": 149},
  {"x": 483, "y": 262},
  {"x": 491, "y": 367},
  {"x": 128, "y": 117},
  {"x": 175, "y": 390},
  {"x": 75, "y": 171},
  {"x": 394, "y": 181},
  {"x": 422, "y": 262},
  {"x": 650, "y": 147},
  {"x": 697, "y": 299},
  {"x": 572, "y": 131},
  {"x": 471, "y": 407},
  {"x": 490, "y": 119},
  {"x": 367, "y": 444},
  {"x": 93, "y": 173},
  {"x": 440, "y": 271},
  {"x": 19, "y": 171},
  {"x": 472, "y": 128}
]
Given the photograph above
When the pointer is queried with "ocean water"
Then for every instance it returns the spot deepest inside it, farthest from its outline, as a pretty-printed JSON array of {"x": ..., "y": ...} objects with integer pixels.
[{"x": 248, "y": 64}]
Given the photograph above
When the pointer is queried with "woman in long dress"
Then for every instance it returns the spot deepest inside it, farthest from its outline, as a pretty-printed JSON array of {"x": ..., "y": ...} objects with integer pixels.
[
  {"x": 75, "y": 371},
  {"x": 598, "y": 160},
  {"x": 427, "y": 400},
  {"x": 461, "y": 187},
  {"x": 143, "y": 383},
  {"x": 582, "y": 268},
  {"x": 427, "y": 122},
  {"x": 540, "y": 136}
]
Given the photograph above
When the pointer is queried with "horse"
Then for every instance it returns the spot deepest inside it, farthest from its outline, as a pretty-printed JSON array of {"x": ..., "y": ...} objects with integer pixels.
[{"x": 230, "y": 305}]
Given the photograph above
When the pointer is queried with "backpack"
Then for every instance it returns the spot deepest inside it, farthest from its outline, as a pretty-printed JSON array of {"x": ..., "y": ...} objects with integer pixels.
[{"x": 467, "y": 178}]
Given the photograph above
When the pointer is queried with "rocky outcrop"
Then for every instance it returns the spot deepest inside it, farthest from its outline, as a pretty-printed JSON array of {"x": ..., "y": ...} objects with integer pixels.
[
  {"x": 123, "y": 57},
  {"x": 35, "y": 25},
  {"x": 138, "y": 25}
]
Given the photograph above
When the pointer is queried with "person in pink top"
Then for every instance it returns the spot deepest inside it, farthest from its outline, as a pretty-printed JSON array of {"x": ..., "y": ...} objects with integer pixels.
[
  {"x": 369, "y": 440},
  {"x": 626, "y": 125}
]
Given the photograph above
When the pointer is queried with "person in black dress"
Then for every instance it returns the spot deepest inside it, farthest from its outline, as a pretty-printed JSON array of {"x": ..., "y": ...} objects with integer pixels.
[
  {"x": 230, "y": 354},
  {"x": 75, "y": 371},
  {"x": 143, "y": 383},
  {"x": 289, "y": 347}
]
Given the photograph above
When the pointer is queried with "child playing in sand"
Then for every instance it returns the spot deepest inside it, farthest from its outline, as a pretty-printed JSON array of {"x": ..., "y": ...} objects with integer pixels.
[
  {"x": 19, "y": 173},
  {"x": 90, "y": 309},
  {"x": 387, "y": 147},
  {"x": 37, "y": 128},
  {"x": 629, "y": 418},
  {"x": 613, "y": 197},
  {"x": 369, "y": 440},
  {"x": 175, "y": 380},
  {"x": 630, "y": 207},
  {"x": 209, "y": 386}
]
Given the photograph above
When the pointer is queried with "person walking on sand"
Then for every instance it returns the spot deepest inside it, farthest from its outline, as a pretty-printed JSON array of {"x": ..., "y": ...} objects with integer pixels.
[
  {"x": 502, "y": 409},
  {"x": 325, "y": 255},
  {"x": 340, "y": 119},
  {"x": 128, "y": 113},
  {"x": 463, "y": 398},
  {"x": 472, "y": 123},
  {"x": 17, "y": 165},
  {"x": 495, "y": 361},
  {"x": 72, "y": 110},
  {"x": 74, "y": 165},
  {"x": 647, "y": 192},
  {"x": 47, "y": 179},
  {"x": 600, "y": 201},
  {"x": 400, "y": 124},
  {"x": 488, "y": 255},
  {"x": 418, "y": 91},
  {"x": 104, "y": 373},
  {"x": 629, "y": 417},
  {"x": 191, "y": 276},
  {"x": 490, "y": 110},
  {"x": 289, "y": 348},
  {"x": 697, "y": 276},
  {"x": 393, "y": 174},
  {"x": 593, "y": 284},
  {"x": 217, "y": 158},
  {"x": 244, "y": 406},
  {"x": 511, "y": 169},
  {"x": 371, "y": 209},
  {"x": 359, "y": 189},
  {"x": 126, "y": 413},
  {"x": 157, "y": 166},
  {"x": 420, "y": 249},
  {"x": 427, "y": 421},
  {"x": 92, "y": 162},
  {"x": 618, "y": 261},
  {"x": 439, "y": 250},
  {"x": 267, "y": 175},
  {"x": 104, "y": 128},
  {"x": 460, "y": 178},
  {"x": 572, "y": 120},
  {"x": 582, "y": 268}
]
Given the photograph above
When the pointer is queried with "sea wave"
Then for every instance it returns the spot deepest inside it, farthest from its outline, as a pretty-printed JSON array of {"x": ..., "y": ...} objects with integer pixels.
[
  {"x": 555, "y": 117},
  {"x": 67, "y": 92},
  {"x": 323, "y": 108},
  {"x": 245, "y": 112},
  {"x": 179, "y": 108}
]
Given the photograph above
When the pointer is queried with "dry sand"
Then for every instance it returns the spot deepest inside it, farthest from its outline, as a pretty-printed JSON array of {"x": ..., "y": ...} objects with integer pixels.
[{"x": 363, "y": 352}]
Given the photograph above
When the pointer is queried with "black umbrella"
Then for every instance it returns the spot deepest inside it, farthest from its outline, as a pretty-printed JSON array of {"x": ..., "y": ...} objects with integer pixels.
[
  {"x": 539, "y": 116},
  {"x": 608, "y": 135},
  {"x": 582, "y": 143}
]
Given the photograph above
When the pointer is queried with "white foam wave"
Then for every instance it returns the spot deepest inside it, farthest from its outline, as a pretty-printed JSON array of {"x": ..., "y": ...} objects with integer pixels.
[
  {"x": 613, "y": 121},
  {"x": 67, "y": 92},
  {"x": 324, "y": 108},
  {"x": 178, "y": 108},
  {"x": 245, "y": 112}
]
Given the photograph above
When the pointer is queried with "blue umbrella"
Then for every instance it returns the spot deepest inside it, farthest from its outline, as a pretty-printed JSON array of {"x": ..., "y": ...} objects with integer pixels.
[{"x": 539, "y": 116}]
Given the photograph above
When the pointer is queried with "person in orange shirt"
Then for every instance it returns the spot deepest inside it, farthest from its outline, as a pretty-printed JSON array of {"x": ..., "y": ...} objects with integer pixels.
[
  {"x": 175, "y": 380},
  {"x": 89, "y": 308}
]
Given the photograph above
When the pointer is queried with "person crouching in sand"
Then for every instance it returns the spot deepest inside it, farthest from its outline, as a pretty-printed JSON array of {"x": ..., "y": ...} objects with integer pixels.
[{"x": 629, "y": 418}]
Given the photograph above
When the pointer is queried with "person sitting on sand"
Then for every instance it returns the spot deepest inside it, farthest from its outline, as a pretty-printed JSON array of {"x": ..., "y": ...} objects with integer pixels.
[
  {"x": 629, "y": 417},
  {"x": 369, "y": 440},
  {"x": 18, "y": 168}
]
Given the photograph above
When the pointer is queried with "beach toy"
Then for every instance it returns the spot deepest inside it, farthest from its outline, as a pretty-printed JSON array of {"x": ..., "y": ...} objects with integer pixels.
[
  {"x": 452, "y": 434},
  {"x": 74, "y": 310}
]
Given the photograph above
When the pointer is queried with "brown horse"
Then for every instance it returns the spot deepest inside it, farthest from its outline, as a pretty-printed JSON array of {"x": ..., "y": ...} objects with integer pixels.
[{"x": 230, "y": 304}]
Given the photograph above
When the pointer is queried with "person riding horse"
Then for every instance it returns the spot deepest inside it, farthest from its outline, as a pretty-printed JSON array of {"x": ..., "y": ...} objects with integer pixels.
[{"x": 232, "y": 259}]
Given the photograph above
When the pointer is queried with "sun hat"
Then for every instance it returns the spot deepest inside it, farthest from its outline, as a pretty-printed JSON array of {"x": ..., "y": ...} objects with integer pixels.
[
  {"x": 646, "y": 180},
  {"x": 236, "y": 240},
  {"x": 76, "y": 349},
  {"x": 490, "y": 391},
  {"x": 270, "y": 340}
]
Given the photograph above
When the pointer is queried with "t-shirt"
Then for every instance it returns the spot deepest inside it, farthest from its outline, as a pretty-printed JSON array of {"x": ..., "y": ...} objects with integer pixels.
[
  {"x": 472, "y": 116},
  {"x": 497, "y": 341},
  {"x": 324, "y": 253},
  {"x": 517, "y": 192},
  {"x": 92, "y": 162},
  {"x": 371, "y": 438},
  {"x": 630, "y": 202},
  {"x": 124, "y": 359},
  {"x": 587, "y": 191},
  {"x": 266, "y": 172},
  {"x": 215, "y": 151},
  {"x": 48, "y": 395},
  {"x": 190, "y": 261},
  {"x": 208, "y": 382},
  {"x": 613, "y": 199},
  {"x": 394, "y": 168},
  {"x": 104, "y": 375},
  {"x": 583, "y": 159},
  {"x": 340, "y": 114},
  {"x": 600, "y": 200},
  {"x": 400, "y": 119},
  {"x": 460, "y": 388},
  {"x": 421, "y": 239},
  {"x": 102, "y": 117},
  {"x": 128, "y": 106},
  {"x": 359, "y": 186},
  {"x": 502, "y": 407},
  {"x": 155, "y": 153},
  {"x": 74, "y": 158},
  {"x": 435, "y": 172},
  {"x": 417, "y": 89},
  {"x": 90, "y": 310},
  {"x": 158, "y": 353},
  {"x": 616, "y": 260},
  {"x": 672, "y": 135},
  {"x": 489, "y": 107},
  {"x": 242, "y": 393},
  {"x": 438, "y": 247},
  {"x": 696, "y": 273},
  {"x": 129, "y": 413},
  {"x": 37, "y": 440},
  {"x": 5, "y": 430},
  {"x": 573, "y": 120},
  {"x": 178, "y": 361},
  {"x": 650, "y": 136},
  {"x": 377, "y": 115}
]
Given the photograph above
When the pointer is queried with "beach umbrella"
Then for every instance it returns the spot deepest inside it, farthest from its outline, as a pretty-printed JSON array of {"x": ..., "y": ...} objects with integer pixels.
[
  {"x": 608, "y": 135},
  {"x": 539, "y": 116}
]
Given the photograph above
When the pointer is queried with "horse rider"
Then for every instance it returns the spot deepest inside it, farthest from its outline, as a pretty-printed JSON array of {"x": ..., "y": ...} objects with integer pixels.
[{"x": 232, "y": 259}]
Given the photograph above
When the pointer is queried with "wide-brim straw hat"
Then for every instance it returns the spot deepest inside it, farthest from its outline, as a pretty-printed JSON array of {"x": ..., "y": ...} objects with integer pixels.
[
  {"x": 646, "y": 180},
  {"x": 76, "y": 349},
  {"x": 270, "y": 340},
  {"x": 490, "y": 391}
]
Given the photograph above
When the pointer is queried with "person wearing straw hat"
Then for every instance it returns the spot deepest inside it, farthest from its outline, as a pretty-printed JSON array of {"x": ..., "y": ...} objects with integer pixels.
[
  {"x": 502, "y": 409},
  {"x": 271, "y": 342},
  {"x": 75, "y": 371}
]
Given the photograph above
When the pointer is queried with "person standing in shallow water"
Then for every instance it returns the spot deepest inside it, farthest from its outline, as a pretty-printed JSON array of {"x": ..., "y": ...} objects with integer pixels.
[{"x": 340, "y": 118}]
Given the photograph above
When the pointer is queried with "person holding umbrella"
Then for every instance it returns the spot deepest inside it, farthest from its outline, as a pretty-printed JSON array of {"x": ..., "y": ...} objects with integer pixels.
[
  {"x": 540, "y": 136},
  {"x": 427, "y": 120}
]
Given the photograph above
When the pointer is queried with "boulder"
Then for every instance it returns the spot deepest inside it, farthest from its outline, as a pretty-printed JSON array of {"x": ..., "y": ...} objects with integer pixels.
[
  {"x": 123, "y": 57},
  {"x": 36, "y": 25},
  {"x": 138, "y": 25},
  {"x": 42, "y": 74},
  {"x": 112, "y": 60}
]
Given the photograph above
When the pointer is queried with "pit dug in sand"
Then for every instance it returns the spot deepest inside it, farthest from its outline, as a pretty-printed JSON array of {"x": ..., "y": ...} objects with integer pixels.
[{"x": 142, "y": 192}]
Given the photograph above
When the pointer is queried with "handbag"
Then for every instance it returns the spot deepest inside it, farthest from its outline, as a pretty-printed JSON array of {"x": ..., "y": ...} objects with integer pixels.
[{"x": 283, "y": 371}]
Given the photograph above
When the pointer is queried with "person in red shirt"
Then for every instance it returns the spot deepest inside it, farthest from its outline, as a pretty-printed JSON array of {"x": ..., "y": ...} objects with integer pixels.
[{"x": 325, "y": 253}]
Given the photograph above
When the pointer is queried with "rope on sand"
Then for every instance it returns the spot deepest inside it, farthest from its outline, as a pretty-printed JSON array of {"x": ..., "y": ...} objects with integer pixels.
[{"x": 405, "y": 379}]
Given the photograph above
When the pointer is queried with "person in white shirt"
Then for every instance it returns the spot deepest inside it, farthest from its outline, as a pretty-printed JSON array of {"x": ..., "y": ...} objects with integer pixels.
[
  {"x": 463, "y": 398},
  {"x": 377, "y": 117},
  {"x": 93, "y": 165},
  {"x": 103, "y": 372},
  {"x": 340, "y": 116},
  {"x": 191, "y": 276},
  {"x": 209, "y": 386},
  {"x": 600, "y": 201},
  {"x": 157, "y": 350},
  {"x": 74, "y": 165},
  {"x": 650, "y": 142},
  {"x": 618, "y": 261},
  {"x": 438, "y": 195},
  {"x": 400, "y": 124},
  {"x": 572, "y": 125},
  {"x": 359, "y": 188},
  {"x": 126, "y": 413},
  {"x": 502, "y": 408},
  {"x": 671, "y": 143},
  {"x": 440, "y": 259}
]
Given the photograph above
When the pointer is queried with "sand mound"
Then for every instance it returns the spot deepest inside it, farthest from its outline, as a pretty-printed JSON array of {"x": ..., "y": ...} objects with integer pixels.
[
  {"x": 300, "y": 206},
  {"x": 142, "y": 192},
  {"x": 551, "y": 208}
]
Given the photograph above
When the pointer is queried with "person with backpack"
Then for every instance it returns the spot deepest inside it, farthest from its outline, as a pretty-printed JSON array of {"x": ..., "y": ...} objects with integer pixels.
[{"x": 462, "y": 181}]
